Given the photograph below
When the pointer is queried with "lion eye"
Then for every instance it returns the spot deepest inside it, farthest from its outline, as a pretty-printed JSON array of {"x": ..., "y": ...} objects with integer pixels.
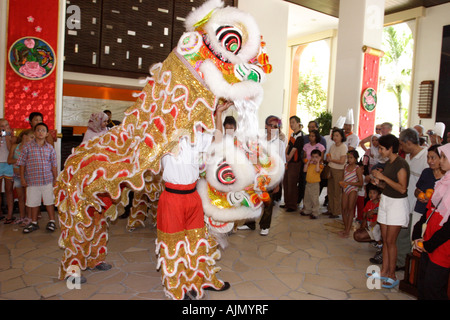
[
  {"x": 224, "y": 174},
  {"x": 230, "y": 38}
]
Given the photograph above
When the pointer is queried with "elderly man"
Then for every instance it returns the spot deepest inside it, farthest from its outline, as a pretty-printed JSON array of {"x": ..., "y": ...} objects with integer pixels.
[
  {"x": 383, "y": 129},
  {"x": 416, "y": 156},
  {"x": 272, "y": 126},
  {"x": 437, "y": 135},
  {"x": 313, "y": 125},
  {"x": 423, "y": 139},
  {"x": 420, "y": 129}
]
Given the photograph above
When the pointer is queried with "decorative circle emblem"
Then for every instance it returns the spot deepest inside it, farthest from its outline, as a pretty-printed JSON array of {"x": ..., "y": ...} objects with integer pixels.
[
  {"x": 369, "y": 99},
  {"x": 189, "y": 43},
  {"x": 32, "y": 58}
]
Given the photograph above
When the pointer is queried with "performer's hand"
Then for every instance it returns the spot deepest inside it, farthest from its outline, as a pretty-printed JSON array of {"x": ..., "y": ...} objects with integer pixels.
[{"x": 223, "y": 107}]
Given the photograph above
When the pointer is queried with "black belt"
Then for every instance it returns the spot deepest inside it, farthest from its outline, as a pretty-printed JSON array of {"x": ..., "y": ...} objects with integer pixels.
[{"x": 181, "y": 191}]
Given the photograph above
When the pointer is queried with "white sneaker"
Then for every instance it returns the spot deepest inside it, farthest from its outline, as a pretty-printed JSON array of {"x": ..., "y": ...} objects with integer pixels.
[
  {"x": 264, "y": 232},
  {"x": 243, "y": 227}
]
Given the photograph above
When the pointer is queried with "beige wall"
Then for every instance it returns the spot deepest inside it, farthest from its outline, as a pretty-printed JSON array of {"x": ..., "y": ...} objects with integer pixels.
[
  {"x": 428, "y": 57},
  {"x": 272, "y": 18}
]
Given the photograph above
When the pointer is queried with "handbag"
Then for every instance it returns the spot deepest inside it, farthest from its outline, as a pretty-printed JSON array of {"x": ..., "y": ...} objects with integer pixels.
[
  {"x": 325, "y": 174},
  {"x": 425, "y": 224}
]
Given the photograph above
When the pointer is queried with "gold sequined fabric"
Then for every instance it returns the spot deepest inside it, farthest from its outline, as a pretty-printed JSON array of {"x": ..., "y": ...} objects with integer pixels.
[
  {"x": 187, "y": 261},
  {"x": 94, "y": 184}
]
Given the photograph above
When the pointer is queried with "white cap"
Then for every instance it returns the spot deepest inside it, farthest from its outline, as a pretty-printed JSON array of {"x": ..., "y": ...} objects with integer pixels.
[
  {"x": 349, "y": 118},
  {"x": 340, "y": 122},
  {"x": 439, "y": 128}
]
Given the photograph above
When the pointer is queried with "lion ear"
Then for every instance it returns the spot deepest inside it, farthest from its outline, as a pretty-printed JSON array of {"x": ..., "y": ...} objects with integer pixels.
[{"x": 201, "y": 15}]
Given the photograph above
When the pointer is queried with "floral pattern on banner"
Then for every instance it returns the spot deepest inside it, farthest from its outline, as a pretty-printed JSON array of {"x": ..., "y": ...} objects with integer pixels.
[
  {"x": 28, "y": 96},
  {"x": 28, "y": 21},
  {"x": 32, "y": 58},
  {"x": 369, "y": 99}
]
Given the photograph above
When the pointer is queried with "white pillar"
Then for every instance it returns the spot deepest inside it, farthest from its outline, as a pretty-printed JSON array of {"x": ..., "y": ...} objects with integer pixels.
[
  {"x": 60, "y": 77},
  {"x": 360, "y": 23}
]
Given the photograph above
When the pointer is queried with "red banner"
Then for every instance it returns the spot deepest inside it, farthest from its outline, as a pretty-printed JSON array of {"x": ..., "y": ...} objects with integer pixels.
[
  {"x": 32, "y": 44},
  {"x": 368, "y": 95}
]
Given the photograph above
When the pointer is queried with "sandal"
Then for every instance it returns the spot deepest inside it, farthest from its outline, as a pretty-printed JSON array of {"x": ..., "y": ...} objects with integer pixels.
[
  {"x": 25, "y": 222},
  {"x": 51, "y": 226},
  {"x": 9, "y": 221},
  {"x": 375, "y": 275},
  {"x": 390, "y": 283},
  {"x": 19, "y": 221},
  {"x": 31, "y": 227}
]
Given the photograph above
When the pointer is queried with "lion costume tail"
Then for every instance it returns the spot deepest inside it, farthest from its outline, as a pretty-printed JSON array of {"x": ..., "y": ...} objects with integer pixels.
[{"x": 97, "y": 177}]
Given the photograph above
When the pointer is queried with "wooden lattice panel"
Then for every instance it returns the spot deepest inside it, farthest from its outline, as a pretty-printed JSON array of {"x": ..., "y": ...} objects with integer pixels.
[
  {"x": 135, "y": 34},
  {"x": 82, "y": 44},
  {"x": 126, "y": 36},
  {"x": 425, "y": 104}
]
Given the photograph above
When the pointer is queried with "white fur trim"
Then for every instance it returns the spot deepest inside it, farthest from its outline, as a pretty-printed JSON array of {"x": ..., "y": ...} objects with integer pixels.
[
  {"x": 220, "y": 87},
  {"x": 231, "y": 16},
  {"x": 276, "y": 170},
  {"x": 224, "y": 215},
  {"x": 236, "y": 159},
  {"x": 201, "y": 12}
]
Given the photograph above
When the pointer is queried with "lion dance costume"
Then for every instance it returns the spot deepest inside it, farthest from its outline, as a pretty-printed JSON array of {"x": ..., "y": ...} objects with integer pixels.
[{"x": 220, "y": 56}]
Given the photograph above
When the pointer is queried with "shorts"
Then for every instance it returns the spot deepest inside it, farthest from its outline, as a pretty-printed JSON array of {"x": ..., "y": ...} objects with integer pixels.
[
  {"x": 17, "y": 182},
  {"x": 393, "y": 211},
  {"x": 374, "y": 232},
  {"x": 6, "y": 170},
  {"x": 36, "y": 195}
]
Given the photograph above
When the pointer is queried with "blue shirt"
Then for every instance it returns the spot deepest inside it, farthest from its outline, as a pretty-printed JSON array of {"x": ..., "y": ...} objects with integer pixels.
[{"x": 426, "y": 181}]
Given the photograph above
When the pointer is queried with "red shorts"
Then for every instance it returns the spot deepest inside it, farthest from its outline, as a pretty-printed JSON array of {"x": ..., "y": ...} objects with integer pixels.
[{"x": 178, "y": 212}]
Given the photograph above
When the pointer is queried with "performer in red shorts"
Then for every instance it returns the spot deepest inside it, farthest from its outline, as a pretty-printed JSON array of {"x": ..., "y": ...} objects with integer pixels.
[{"x": 186, "y": 252}]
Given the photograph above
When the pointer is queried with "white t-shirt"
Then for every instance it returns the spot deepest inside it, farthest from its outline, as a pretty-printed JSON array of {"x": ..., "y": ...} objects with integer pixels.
[
  {"x": 280, "y": 147},
  {"x": 416, "y": 166},
  {"x": 4, "y": 152},
  {"x": 352, "y": 141},
  {"x": 329, "y": 141},
  {"x": 184, "y": 168}
]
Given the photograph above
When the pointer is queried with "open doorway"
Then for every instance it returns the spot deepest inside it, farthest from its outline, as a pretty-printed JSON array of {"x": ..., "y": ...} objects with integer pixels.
[
  {"x": 310, "y": 79},
  {"x": 395, "y": 75}
]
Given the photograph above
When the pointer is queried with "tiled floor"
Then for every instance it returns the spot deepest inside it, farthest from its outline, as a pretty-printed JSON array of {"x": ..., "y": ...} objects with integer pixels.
[{"x": 299, "y": 259}]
